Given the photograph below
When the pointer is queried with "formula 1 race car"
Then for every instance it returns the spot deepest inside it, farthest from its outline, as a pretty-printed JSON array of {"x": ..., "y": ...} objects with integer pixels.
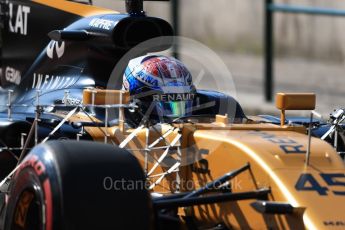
[{"x": 78, "y": 153}]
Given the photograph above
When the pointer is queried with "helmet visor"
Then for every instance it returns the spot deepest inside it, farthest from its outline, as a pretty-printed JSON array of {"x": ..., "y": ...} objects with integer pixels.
[{"x": 175, "y": 109}]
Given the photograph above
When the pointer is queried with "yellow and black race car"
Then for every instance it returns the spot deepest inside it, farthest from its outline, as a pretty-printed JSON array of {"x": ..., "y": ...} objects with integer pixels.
[{"x": 78, "y": 153}]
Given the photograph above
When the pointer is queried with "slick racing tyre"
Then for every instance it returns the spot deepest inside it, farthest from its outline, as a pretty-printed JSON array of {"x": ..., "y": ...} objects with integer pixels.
[{"x": 70, "y": 185}]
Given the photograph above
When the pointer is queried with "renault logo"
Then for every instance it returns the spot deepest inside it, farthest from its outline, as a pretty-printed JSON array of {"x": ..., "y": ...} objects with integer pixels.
[{"x": 55, "y": 47}]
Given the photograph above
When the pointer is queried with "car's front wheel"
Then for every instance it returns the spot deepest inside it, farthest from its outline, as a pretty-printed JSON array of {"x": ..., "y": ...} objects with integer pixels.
[{"x": 78, "y": 185}]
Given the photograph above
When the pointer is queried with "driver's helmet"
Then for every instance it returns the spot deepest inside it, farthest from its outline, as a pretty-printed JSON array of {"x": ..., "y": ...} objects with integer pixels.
[{"x": 162, "y": 86}]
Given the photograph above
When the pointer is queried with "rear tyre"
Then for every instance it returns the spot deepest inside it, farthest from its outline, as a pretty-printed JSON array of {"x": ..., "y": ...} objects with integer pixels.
[{"x": 78, "y": 185}]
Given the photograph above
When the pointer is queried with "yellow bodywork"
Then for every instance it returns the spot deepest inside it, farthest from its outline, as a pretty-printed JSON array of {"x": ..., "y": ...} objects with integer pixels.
[
  {"x": 274, "y": 168},
  {"x": 277, "y": 158},
  {"x": 276, "y": 154}
]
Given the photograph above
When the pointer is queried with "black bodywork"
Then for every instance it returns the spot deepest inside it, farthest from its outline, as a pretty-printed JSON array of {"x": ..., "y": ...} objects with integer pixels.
[{"x": 31, "y": 61}]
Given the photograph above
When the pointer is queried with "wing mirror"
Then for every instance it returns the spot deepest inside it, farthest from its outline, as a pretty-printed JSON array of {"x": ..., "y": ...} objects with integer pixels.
[{"x": 294, "y": 101}]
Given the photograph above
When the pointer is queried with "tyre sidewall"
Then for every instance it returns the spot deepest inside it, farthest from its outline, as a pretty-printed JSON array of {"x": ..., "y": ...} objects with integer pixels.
[{"x": 39, "y": 176}]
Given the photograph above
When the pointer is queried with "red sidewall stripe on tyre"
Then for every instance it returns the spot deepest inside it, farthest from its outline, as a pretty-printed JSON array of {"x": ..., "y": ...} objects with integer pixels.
[{"x": 49, "y": 204}]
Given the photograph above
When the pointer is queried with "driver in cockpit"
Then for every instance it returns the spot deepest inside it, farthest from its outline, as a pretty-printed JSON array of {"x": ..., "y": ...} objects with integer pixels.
[
  {"x": 161, "y": 86},
  {"x": 163, "y": 89}
]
